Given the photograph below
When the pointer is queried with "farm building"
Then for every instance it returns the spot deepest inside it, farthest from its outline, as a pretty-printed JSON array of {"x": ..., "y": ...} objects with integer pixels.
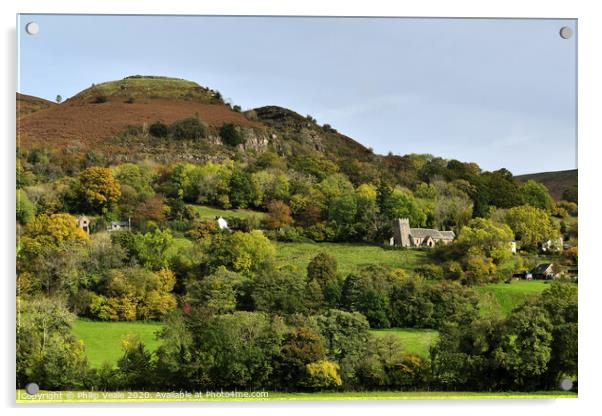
[
  {"x": 119, "y": 226},
  {"x": 405, "y": 236},
  {"x": 83, "y": 222},
  {"x": 544, "y": 271},
  {"x": 222, "y": 224}
]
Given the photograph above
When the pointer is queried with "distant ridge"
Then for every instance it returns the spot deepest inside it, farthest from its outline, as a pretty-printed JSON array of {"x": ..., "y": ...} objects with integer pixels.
[{"x": 557, "y": 182}]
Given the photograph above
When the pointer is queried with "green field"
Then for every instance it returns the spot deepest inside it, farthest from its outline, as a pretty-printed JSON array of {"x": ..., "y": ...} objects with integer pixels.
[
  {"x": 211, "y": 212},
  {"x": 349, "y": 256},
  {"x": 501, "y": 298},
  {"x": 415, "y": 341},
  {"x": 103, "y": 339},
  {"x": 99, "y": 397}
]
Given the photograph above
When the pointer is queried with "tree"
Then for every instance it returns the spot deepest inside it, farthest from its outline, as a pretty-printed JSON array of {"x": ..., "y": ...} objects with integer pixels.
[
  {"x": 344, "y": 336},
  {"x": 218, "y": 291},
  {"x": 25, "y": 209},
  {"x": 536, "y": 195},
  {"x": 188, "y": 128},
  {"x": 279, "y": 215},
  {"x": 279, "y": 291},
  {"x": 151, "y": 248},
  {"x": 231, "y": 135},
  {"x": 134, "y": 293},
  {"x": 135, "y": 368},
  {"x": 54, "y": 230},
  {"x": 531, "y": 225},
  {"x": 486, "y": 237},
  {"x": 525, "y": 349},
  {"x": 246, "y": 253},
  {"x": 323, "y": 268},
  {"x": 98, "y": 189},
  {"x": 242, "y": 192},
  {"x": 300, "y": 347},
  {"x": 59, "y": 99},
  {"x": 237, "y": 350},
  {"x": 47, "y": 352}
]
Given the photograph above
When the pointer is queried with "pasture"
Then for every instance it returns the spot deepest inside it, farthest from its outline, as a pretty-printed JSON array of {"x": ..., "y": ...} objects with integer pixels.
[
  {"x": 349, "y": 256},
  {"x": 414, "y": 340},
  {"x": 208, "y": 212},
  {"x": 102, "y": 340},
  {"x": 500, "y": 298}
]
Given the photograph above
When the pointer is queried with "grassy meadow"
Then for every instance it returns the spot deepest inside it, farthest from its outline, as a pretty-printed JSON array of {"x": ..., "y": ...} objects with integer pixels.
[
  {"x": 349, "y": 256},
  {"x": 501, "y": 298},
  {"x": 414, "y": 340},
  {"x": 208, "y": 212},
  {"x": 103, "y": 339}
]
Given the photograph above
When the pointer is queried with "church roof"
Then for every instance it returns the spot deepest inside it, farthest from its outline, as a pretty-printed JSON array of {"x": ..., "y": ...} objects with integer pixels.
[{"x": 429, "y": 232}]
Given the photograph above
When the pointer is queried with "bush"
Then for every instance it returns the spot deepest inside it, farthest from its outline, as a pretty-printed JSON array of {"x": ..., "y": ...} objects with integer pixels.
[
  {"x": 323, "y": 375},
  {"x": 99, "y": 99},
  {"x": 188, "y": 128},
  {"x": 231, "y": 135},
  {"x": 159, "y": 129}
]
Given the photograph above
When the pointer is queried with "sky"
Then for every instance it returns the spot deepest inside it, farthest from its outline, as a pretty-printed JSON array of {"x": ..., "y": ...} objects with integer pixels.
[{"x": 498, "y": 92}]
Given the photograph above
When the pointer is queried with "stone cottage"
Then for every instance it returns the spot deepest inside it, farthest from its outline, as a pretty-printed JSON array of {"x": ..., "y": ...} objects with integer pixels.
[{"x": 405, "y": 236}]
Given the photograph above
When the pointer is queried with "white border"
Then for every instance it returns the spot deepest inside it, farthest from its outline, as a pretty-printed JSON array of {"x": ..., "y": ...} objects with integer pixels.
[{"x": 590, "y": 35}]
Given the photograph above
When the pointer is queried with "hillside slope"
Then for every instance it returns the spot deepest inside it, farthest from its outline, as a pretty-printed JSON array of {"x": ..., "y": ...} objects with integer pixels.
[
  {"x": 556, "y": 182},
  {"x": 97, "y": 117},
  {"x": 28, "y": 104}
]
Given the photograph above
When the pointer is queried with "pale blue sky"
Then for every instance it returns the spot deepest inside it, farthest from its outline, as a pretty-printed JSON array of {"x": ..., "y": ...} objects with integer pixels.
[{"x": 497, "y": 92}]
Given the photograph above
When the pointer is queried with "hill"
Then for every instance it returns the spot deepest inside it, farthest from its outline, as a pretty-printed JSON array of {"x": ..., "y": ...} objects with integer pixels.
[
  {"x": 556, "y": 182},
  {"x": 28, "y": 104},
  {"x": 103, "y": 111},
  {"x": 103, "y": 116}
]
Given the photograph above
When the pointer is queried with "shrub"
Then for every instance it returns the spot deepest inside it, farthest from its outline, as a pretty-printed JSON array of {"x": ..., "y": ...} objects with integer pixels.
[
  {"x": 99, "y": 99},
  {"x": 130, "y": 100},
  {"x": 322, "y": 375},
  {"x": 188, "y": 128},
  {"x": 231, "y": 135},
  {"x": 159, "y": 129}
]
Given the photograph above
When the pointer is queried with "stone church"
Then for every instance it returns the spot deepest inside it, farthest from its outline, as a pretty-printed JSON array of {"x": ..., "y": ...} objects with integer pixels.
[{"x": 405, "y": 236}]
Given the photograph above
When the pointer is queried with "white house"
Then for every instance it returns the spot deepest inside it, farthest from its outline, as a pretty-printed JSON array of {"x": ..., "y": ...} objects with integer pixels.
[{"x": 222, "y": 223}]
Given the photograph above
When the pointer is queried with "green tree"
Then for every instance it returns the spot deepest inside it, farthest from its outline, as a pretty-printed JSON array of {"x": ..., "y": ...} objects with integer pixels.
[
  {"x": 25, "y": 209},
  {"x": 486, "y": 237},
  {"x": 246, "y": 253},
  {"x": 218, "y": 291},
  {"x": 231, "y": 135},
  {"x": 531, "y": 225},
  {"x": 47, "y": 352},
  {"x": 242, "y": 192},
  {"x": 526, "y": 346},
  {"x": 152, "y": 248},
  {"x": 344, "y": 336},
  {"x": 536, "y": 195},
  {"x": 237, "y": 350},
  {"x": 279, "y": 291},
  {"x": 135, "y": 367}
]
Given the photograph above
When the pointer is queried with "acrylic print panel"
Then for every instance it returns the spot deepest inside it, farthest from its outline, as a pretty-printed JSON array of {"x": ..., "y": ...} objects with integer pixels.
[{"x": 266, "y": 208}]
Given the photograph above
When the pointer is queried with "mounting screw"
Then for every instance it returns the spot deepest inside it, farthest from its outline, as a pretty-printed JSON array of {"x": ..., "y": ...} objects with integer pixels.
[
  {"x": 566, "y": 32},
  {"x": 32, "y": 28}
]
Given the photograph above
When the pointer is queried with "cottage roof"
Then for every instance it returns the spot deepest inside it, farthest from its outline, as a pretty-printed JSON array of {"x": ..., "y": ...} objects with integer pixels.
[
  {"x": 542, "y": 268},
  {"x": 429, "y": 232}
]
